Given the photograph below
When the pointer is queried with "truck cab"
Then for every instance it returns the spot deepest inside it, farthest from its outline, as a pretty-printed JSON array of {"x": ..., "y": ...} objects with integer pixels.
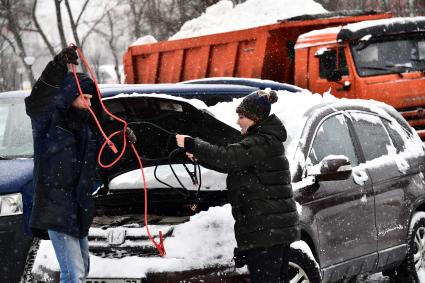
[{"x": 380, "y": 59}]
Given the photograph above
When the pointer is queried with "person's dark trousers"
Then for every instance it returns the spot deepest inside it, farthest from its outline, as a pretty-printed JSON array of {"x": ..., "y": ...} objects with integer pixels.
[{"x": 268, "y": 265}]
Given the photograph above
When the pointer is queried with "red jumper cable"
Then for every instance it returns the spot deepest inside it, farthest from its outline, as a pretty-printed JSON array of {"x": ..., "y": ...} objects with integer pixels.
[{"x": 160, "y": 247}]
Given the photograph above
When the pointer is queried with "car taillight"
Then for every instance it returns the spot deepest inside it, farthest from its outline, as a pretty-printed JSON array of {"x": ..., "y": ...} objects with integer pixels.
[{"x": 10, "y": 204}]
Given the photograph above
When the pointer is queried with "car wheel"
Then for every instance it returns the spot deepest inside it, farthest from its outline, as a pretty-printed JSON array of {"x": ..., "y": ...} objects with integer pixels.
[
  {"x": 302, "y": 265},
  {"x": 27, "y": 276},
  {"x": 413, "y": 267}
]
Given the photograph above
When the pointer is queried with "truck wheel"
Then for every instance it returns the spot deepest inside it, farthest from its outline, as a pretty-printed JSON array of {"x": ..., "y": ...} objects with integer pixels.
[
  {"x": 27, "y": 276},
  {"x": 302, "y": 265},
  {"x": 413, "y": 267}
]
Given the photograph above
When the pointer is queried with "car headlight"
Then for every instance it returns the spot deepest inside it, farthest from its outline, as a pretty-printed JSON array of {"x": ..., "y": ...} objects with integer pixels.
[{"x": 10, "y": 204}]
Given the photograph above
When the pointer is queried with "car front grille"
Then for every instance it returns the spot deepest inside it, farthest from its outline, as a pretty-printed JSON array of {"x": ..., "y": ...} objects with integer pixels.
[{"x": 117, "y": 237}]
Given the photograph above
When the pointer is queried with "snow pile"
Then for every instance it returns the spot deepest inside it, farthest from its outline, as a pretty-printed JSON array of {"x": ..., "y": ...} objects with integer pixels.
[
  {"x": 147, "y": 39},
  {"x": 223, "y": 17},
  {"x": 207, "y": 240}
]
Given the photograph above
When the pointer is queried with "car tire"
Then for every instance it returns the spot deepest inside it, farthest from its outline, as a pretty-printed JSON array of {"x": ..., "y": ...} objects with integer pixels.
[
  {"x": 411, "y": 269},
  {"x": 302, "y": 265},
  {"x": 27, "y": 276}
]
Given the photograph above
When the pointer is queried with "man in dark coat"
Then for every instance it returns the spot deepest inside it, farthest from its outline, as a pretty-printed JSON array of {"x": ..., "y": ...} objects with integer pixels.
[
  {"x": 65, "y": 152},
  {"x": 259, "y": 187}
]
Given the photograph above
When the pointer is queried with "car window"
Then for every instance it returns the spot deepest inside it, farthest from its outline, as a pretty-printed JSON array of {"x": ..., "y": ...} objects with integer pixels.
[
  {"x": 333, "y": 138},
  {"x": 328, "y": 63},
  {"x": 373, "y": 137},
  {"x": 15, "y": 130},
  {"x": 395, "y": 131}
]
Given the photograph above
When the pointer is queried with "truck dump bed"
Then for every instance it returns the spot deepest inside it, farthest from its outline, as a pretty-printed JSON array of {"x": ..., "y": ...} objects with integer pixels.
[{"x": 262, "y": 52}]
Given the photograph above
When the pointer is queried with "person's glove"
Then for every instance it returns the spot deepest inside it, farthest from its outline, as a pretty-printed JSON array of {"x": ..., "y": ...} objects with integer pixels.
[{"x": 68, "y": 55}]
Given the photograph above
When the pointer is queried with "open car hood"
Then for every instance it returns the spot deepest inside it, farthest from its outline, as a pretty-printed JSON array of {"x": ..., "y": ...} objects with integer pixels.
[{"x": 155, "y": 119}]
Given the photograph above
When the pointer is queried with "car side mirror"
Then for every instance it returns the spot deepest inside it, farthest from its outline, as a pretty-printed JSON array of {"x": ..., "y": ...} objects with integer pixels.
[{"x": 332, "y": 167}]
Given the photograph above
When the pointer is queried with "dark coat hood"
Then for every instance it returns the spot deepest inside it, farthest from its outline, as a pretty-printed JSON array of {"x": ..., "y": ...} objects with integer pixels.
[{"x": 67, "y": 94}]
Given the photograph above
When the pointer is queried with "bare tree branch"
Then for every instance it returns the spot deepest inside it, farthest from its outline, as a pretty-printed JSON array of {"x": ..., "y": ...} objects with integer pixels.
[
  {"x": 83, "y": 9},
  {"x": 72, "y": 22},
  {"x": 93, "y": 26},
  {"x": 40, "y": 30},
  {"x": 10, "y": 11},
  {"x": 60, "y": 23}
]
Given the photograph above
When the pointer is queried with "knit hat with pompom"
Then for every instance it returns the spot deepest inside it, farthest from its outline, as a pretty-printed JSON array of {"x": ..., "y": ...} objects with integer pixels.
[{"x": 257, "y": 105}]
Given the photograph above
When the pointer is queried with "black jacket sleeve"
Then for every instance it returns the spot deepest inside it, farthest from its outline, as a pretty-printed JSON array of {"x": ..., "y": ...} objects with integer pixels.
[
  {"x": 246, "y": 153},
  {"x": 43, "y": 93}
]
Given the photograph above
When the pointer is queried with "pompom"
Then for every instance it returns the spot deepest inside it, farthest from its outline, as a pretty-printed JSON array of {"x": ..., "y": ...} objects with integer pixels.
[{"x": 272, "y": 96}]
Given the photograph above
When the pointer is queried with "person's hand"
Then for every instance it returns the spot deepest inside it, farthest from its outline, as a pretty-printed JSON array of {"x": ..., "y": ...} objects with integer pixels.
[
  {"x": 180, "y": 140},
  {"x": 191, "y": 157},
  {"x": 79, "y": 101},
  {"x": 68, "y": 55}
]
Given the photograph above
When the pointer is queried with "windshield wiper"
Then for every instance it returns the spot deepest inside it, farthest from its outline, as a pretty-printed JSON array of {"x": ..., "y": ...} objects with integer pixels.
[
  {"x": 398, "y": 69},
  {"x": 390, "y": 69}
]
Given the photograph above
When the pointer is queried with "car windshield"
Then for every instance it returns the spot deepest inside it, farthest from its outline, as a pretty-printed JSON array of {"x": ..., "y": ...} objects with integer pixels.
[
  {"x": 389, "y": 55},
  {"x": 15, "y": 130}
]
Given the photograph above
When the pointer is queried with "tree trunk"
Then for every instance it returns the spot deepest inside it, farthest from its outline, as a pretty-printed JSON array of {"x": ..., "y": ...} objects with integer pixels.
[
  {"x": 40, "y": 30},
  {"x": 60, "y": 23},
  {"x": 14, "y": 28},
  {"x": 73, "y": 25}
]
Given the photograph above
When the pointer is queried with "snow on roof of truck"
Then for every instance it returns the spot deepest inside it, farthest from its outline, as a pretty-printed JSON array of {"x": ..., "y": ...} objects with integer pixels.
[
  {"x": 382, "y": 27},
  {"x": 224, "y": 16},
  {"x": 360, "y": 29},
  {"x": 317, "y": 37}
]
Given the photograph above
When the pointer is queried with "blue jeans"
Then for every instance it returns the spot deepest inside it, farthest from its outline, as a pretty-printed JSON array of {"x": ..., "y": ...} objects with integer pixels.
[{"x": 73, "y": 256}]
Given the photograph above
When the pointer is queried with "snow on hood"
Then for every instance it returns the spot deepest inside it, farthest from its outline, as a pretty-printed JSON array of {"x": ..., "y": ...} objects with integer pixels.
[
  {"x": 223, "y": 16},
  {"x": 208, "y": 238}
]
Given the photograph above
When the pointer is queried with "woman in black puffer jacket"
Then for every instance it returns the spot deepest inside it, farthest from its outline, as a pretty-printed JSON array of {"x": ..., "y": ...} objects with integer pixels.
[{"x": 259, "y": 185}]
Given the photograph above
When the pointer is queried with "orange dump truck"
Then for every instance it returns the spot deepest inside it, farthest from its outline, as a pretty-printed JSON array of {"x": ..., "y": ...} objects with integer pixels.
[{"x": 368, "y": 56}]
